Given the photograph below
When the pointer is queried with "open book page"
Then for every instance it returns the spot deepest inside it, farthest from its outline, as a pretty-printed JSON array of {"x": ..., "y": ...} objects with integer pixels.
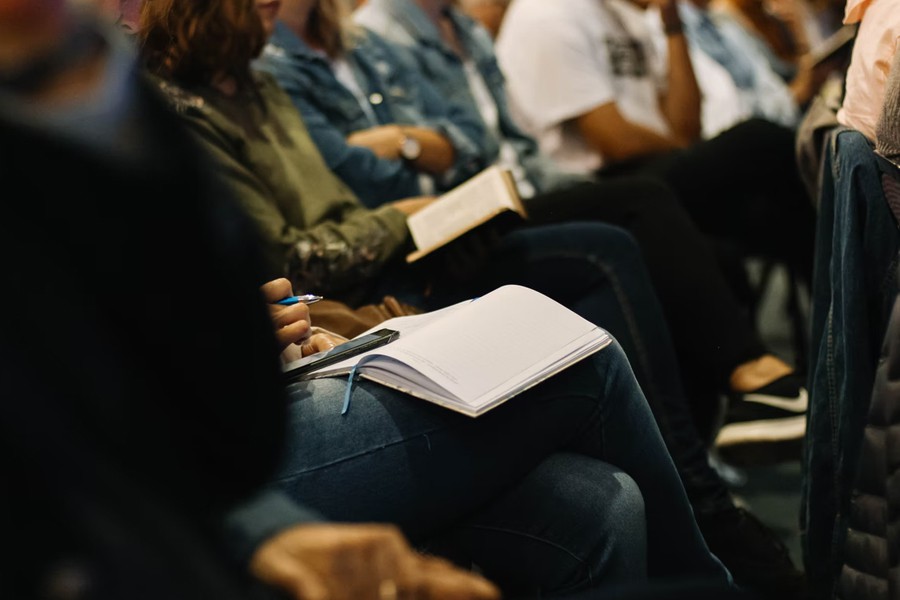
[
  {"x": 487, "y": 349},
  {"x": 466, "y": 206}
]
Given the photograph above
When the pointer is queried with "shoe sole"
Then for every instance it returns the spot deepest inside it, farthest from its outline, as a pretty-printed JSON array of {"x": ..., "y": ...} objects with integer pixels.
[
  {"x": 764, "y": 431},
  {"x": 798, "y": 405},
  {"x": 748, "y": 456}
]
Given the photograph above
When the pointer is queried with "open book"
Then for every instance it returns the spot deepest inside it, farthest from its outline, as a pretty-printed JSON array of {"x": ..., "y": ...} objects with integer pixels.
[
  {"x": 465, "y": 207},
  {"x": 473, "y": 356}
]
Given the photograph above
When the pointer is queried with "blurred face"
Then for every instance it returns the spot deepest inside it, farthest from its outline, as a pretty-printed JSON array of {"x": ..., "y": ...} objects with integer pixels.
[
  {"x": 124, "y": 12},
  {"x": 28, "y": 28},
  {"x": 268, "y": 12}
]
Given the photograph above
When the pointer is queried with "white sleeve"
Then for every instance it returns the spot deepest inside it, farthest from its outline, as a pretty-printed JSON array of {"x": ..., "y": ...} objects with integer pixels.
[{"x": 556, "y": 68}]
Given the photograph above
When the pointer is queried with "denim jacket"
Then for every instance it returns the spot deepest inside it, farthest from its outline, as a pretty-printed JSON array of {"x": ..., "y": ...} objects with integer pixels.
[
  {"x": 404, "y": 22},
  {"x": 854, "y": 287},
  {"x": 397, "y": 94}
]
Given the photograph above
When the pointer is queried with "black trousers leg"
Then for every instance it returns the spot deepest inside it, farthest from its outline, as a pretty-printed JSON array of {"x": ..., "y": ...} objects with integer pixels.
[
  {"x": 743, "y": 185},
  {"x": 711, "y": 331}
]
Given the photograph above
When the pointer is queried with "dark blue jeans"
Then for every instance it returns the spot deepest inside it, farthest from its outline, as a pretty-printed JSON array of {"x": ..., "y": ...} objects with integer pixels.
[
  {"x": 854, "y": 286},
  {"x": 566, "y": 486},
  {"x": 598, "y": 271}
]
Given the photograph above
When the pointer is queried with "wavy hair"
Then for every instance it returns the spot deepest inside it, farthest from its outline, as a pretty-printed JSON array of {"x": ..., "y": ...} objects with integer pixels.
[{"x": 196, "y": 42}]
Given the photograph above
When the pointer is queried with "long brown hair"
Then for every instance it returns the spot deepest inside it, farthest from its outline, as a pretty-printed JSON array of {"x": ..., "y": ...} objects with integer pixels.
[
  {"x": 330, "y": 26},
  {"x": 196, "y": 42}
]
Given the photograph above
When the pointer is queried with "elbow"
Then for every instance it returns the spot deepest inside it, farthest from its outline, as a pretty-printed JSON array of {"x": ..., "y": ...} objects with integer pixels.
[
  {"x": 621, "y": 152},
  {"x": 686, "y": 132},
  {"x": 441, "y": 166},
  {"x": 692, "y": 136}
]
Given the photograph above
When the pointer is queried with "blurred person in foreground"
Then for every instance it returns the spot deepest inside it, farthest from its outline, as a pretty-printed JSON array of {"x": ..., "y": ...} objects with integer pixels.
[{"x": 135, "y": 434}]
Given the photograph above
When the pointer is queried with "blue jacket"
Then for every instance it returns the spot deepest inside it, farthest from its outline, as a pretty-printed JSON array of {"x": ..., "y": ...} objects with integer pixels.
[
  {"x": 854, "y": 287},
  {"x": 404, "y": 22},
  {"x": 397, "y": 94}
]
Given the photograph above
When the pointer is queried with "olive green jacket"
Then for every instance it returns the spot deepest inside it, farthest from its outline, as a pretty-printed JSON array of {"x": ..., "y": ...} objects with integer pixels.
[{"x": 315, "y": 230}]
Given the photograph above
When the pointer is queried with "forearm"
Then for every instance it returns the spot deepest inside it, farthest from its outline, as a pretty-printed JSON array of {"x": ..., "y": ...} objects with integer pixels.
[
  {"x": 645, "y": 142},
  {"x": 681, "y": 103},
  {"x": 437, "y": 154},
  {"x": 617, "y": 139},
  {"x": 801, "y": 87}
]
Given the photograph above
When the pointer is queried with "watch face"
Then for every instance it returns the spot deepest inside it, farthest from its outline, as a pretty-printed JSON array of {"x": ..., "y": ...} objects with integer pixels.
[{"x": 410, "y": 149}]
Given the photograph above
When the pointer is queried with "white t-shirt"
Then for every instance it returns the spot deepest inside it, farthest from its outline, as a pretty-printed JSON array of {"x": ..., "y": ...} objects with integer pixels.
[
  {"x": 563, "y": 58},
  {"x": 343, "y": 72}
]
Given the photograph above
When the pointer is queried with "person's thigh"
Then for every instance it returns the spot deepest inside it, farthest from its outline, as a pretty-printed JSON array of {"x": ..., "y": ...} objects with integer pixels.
[
  {"x": 559, "y": 260},
  {"x": 399, "y": 459},
  {"x": 744, "y": 186},
  {"x": 711, "y": 332}
]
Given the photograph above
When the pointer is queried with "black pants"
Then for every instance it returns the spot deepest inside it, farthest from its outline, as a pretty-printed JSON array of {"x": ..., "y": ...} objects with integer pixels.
[
  {"x": 744, "y": 186},
  {"x": 711, "y": 331}
]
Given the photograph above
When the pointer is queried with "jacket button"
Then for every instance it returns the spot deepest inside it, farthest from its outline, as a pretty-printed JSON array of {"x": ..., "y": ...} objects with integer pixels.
[{"x": 376, "y": 98}]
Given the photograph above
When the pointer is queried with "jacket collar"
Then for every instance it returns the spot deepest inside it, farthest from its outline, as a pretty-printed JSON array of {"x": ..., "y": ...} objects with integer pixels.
[
  {"x": 285, "y": 41},
  {"x": 415, "y": 21}
]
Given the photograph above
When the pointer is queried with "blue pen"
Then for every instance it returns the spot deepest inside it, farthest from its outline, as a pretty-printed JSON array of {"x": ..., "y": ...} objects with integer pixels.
[{"x": 305, "y": 299}]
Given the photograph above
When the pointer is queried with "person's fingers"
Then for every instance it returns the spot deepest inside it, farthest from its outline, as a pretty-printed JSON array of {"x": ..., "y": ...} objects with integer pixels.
[
  {"x": 361, "y": 561},
  {"x": 441, "y": 580},
  {"x": 318, "y": 342},
  {"x": 275, "y": 290},
  {"x": 365, "y": 566},
  {"x": 385, "y": 578},
  {"x": 395, "y": 566},
  {"x": 292, "y": 323},
  {"x": 286, "y": 572},
  {"x": 282, "y": 316},
  {"x": 295, "y": 333}
]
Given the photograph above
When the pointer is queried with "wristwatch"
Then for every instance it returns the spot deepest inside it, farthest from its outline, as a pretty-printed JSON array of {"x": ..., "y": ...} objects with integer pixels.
[{"x": 410, "y": 148}]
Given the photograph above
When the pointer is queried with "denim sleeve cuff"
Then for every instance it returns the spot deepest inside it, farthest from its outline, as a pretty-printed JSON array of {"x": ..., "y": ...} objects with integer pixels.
[
  {"x": 467, "y": 160},
  {"x": 249, "y": 524}
]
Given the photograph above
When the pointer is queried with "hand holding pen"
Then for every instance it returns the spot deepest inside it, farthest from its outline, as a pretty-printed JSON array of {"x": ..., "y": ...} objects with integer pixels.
[
  {"x": 293, "y": 326},
  {"x": 289, "y": 314}
]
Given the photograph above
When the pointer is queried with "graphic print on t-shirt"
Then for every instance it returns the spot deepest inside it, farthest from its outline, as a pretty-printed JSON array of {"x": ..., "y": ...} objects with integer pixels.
[{"x": 627, "y": 57}]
